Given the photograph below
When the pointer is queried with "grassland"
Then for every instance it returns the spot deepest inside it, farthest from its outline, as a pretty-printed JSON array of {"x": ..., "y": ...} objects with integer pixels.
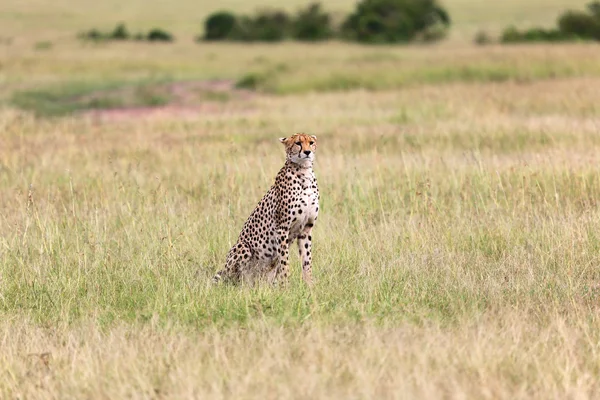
[{"x": 456, "y": 255}]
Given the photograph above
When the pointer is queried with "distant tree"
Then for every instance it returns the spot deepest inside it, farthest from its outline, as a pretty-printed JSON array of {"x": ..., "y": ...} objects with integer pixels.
[
  {"x": 119, "y": 33},
  {"x": 594, "y": 8},
  {"x": 312, "y": 24},
  {"x": 220, "y": 26},
  {"x": 482, "y": 38},
  {"x": 580, "y": 24},
  {"x": 572, "y": 25},
  {"x": 536, "y": 34},
  {"x": 93, "y": 34},
  {"x": 268, "y": 26},
  {"x": 265, "y": 25},
  {"x": 159, "y": 35},
  {"x": 391, "y": 21}
]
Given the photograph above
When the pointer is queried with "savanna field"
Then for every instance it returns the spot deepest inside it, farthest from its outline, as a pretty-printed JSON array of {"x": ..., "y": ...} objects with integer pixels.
[{"x": 457, "y": 250}]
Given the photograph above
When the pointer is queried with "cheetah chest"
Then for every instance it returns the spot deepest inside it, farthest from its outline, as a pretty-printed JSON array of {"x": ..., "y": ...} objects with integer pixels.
[{"x": 305, "y": 207}]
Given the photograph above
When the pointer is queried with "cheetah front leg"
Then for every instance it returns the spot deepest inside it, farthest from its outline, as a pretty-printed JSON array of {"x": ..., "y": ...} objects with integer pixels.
[
  {"x": 305, "y": 248},
  {"x": 282, "y": 272}
]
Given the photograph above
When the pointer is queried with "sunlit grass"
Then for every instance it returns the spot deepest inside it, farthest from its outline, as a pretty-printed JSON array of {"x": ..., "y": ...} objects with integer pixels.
[{"x": 43, "y": 81}]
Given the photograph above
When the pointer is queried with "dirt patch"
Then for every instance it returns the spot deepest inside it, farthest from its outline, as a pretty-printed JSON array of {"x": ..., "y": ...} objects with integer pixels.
[
  {"x": 157, "y": 112},
  {"x": 121, "y": 100},
  {"x": 187, "y": 99}
]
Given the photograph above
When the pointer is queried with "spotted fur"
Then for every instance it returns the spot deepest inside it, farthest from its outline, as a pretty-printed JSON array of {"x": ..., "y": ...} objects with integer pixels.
[{"x": 287, "y": 213}]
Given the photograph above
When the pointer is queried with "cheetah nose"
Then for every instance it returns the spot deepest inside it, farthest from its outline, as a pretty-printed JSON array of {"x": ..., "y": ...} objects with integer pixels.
[{"x": 307, "y": 152}]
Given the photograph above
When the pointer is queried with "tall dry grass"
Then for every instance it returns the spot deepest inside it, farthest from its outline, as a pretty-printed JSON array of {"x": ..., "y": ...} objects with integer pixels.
[
  {"x": 456, "y": 255},
  {"x": 499, "y": 355}
]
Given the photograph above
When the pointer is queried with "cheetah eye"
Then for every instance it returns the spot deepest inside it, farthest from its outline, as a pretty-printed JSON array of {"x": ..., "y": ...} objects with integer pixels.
[
  {"x": 311, "y": 143},
  {"x": 299, "y": 143}
]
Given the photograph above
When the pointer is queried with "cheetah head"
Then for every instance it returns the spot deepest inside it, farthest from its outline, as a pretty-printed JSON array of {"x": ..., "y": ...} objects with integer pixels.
[{"x": 300, "y": 148}]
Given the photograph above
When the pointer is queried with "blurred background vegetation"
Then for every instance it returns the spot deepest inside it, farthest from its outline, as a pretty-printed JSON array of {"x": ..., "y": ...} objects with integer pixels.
[
  {"x": 68, "y": 56},
  {"x": 34, "y": 19}
]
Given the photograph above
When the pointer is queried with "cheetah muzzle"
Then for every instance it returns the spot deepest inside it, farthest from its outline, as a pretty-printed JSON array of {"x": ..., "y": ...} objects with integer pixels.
[{"x": 287, "y": 213}]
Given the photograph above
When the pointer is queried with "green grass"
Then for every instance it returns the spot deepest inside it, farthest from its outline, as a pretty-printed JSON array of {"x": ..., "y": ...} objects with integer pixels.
[
  {"x": 72, "y": 97},
  {"x": 68, "y": 80}
]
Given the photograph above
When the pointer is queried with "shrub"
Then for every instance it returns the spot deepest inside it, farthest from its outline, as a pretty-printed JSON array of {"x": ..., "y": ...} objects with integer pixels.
[
  {"x": 120, "y": 33},
  {"x": 312, "y": 24},
  {"x": 572, "y": 25},
  {"x": 483, "y": 38},
  {"x": 158, "y": 35},
  {"x": 252, "y": 81},
  {"x": 594, "y": 8},
  {"x": 391, "y": 21},
  {"x": 267, "y": 26},
  {"x": 434, "y": 33},
  {"x": 219, "y": 26},
  {"x": 93, "y": 34},
  {"x": 512, "y": 35},
  {"x": 545, "y": 35},
  {"x": 580, "y": 24}
]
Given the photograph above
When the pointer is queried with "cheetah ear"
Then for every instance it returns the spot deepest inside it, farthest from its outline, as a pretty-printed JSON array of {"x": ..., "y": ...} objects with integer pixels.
[
  {"x": 282, "y": 139},
  {"x": 313, "y": 136}
]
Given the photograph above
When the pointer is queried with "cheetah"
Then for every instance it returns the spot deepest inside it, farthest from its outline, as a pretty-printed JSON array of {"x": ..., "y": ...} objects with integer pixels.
[{"x": 286, "y": 213}]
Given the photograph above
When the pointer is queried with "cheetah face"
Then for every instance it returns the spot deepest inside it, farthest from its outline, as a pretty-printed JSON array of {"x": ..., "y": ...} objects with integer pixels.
[{"x": 300, "y": 148}]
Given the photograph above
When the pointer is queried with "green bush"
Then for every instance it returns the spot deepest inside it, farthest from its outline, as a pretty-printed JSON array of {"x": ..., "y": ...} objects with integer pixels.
[
  {"x": 512, "y": 35},
  {"x": 250, "y": 81},
  {"x": 546, "y": 35},
  {"x": 374, "y": 21},
  {"x": 119, "y": 33},
  {"x": 580, "y": 24},
  {"x": 594, "y": 8},
  {"x": 434, "y": 33},
  {"x": 482, "y": 38},
  {"x": 267, "y": 26},
  {"x": 392, "y": 21},
  {"x": 92, "y": 34},
  {"x": 572, "y": 25},
  {"x": 220, "y": 26},
  {"x": 312, "y": 24},
  {"x": 159, "y": 35}
]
